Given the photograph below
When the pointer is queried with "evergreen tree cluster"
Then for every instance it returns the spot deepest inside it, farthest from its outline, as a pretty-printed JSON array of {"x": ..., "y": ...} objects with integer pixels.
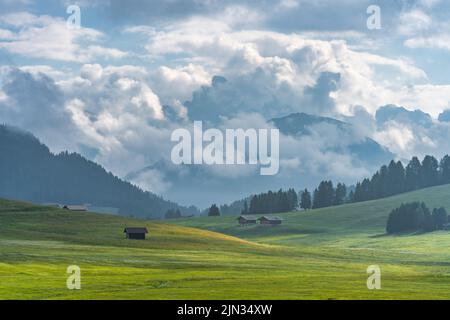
[
  {"x": 325, "y": 195},
  {"x": 214, "y": 211},
  {"x": 416, "y": 216},
  {"x": 173, "y": 214},
  {"x": 395, "y": 178},
  {"x": 281, "y": 201},
  {"x": 234, "y": 207},
  {"x": 387, "y": 181},
  {"x": 30, "y": 172}
]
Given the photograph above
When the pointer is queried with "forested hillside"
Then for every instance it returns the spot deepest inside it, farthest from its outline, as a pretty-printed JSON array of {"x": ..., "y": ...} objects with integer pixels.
[{"x": 29, "y": 171}]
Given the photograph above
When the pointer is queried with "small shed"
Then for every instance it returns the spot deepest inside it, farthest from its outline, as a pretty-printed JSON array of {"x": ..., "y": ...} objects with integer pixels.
[
  {"x": 270, "y": 221},
  {"x": 75, "y": 208},
  {"x": 446, "y": 226},
  {"x": 135, "y": 233},
  {"x": 246, "y": 220}
]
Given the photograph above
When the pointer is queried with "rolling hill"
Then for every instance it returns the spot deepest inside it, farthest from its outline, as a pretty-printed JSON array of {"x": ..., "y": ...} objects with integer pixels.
[
  {"x": 30, "y": 172},
  {"x": 369, "y": 217},
  {"x": 320, "y": 254}
]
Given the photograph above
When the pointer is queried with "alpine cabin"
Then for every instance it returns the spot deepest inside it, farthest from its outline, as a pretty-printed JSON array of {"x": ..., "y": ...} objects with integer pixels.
[
  {"x": 246, "y": 220},
  {"x": 135, "y": 233},
  {"x": 270, "y": 221}
]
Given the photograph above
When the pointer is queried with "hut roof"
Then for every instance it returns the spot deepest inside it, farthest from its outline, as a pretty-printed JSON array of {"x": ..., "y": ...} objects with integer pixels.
[
  {"x": 135, "y": 230},
  {"x": 247, "y": 218},
  {"x": 270, "y": 218}
]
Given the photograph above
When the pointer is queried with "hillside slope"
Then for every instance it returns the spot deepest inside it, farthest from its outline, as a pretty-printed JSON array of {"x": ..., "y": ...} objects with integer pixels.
[
  {"x": 30, "y": 172},
  {"x": 38, "y": 243},
  {"x": 322, "y": 254},
  {"x": 364, "y": 217},
  {"x": 20, "y": 220}
]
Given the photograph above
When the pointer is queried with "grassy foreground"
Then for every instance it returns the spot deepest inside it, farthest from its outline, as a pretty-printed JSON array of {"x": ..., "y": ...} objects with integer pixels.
[{"x": 321, "y": 254}]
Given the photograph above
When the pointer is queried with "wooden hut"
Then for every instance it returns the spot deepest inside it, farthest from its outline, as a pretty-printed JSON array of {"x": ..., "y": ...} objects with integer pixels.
[
  {"x": 270, "y": 221},
  {"x": 135, "y": 233},
  {"x": 246, "y": 220}
]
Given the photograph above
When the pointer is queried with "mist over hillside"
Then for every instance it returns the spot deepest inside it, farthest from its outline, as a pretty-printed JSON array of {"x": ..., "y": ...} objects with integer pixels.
[
  {"x": 29, "y": 171},
  {"x": 312, "y": 148}
]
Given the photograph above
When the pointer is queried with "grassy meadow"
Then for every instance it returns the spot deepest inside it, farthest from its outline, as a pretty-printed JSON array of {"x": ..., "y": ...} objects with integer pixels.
[{"x": 319, "y": 254}]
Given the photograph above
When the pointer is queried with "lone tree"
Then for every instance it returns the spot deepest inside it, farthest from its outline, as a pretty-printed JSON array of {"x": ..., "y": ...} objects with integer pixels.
[
  {"x": 214, "y": 211},
  {"x": 305, "y": 200}
]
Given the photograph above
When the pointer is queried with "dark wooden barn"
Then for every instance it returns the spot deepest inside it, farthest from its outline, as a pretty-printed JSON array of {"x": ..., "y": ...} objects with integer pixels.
[
  {"x": 245, "y": 220},
  {"x": 270, "y": 221},
  {"x": 135, "y": 233}
]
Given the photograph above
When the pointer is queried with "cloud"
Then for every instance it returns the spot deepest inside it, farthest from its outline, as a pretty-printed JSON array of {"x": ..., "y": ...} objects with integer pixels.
[
  {"x": 119, "y": 117},
  {"x": 425, "y": 28},
  {"x": 411, "y": 133},
  {"x": 153, "y": 180},
  {"x": 397, "y": 137},
  {"x": 35, "y": 102},
  {"x": 429, "y": 3},
  {"x": 6, "y": 34},
  {"x": 43, "y": 69},
  {"x": 441, "y": 41},
  {"x": 278, "y": 69},
  {"x": 178, "y": 84},
  {"x": 414, "y": 21},
  {"x": 46, "y": 37},
  {"x": 156, "y": 66}
]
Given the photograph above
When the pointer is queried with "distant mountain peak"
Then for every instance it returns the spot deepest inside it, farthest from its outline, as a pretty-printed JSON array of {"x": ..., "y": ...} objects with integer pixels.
[
  {"x": 393, "y": 112},
  {"x": 298, "y": 123}
]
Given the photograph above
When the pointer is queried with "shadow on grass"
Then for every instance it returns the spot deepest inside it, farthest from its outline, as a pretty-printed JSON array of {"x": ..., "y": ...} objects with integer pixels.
[{"x": 399, "y": 234}]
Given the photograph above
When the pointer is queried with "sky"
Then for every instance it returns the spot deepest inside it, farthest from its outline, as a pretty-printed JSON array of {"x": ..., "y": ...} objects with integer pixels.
[{"x": 116, "y": 87}]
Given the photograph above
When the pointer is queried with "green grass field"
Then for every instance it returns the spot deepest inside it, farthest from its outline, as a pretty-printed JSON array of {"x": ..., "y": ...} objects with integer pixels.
[{"x": 321, "y": 254}]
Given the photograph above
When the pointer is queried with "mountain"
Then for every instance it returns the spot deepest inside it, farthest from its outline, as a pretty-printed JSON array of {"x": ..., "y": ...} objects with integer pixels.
[
  {"x": 365, "y": 149},
  {"x": 301, "y": 123},
  {"x": 29, "y": 171},
  {"x": 401, "y": 115},
  {"x": 205, "y": 185}
]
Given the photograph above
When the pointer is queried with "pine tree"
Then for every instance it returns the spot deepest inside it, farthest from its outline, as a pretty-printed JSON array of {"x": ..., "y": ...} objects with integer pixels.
[
  {"x": 444, "y": 168},
  {"x": 412, "y": 174},
  {"x": 214, "y": 211},
  {"x": 324, "y": 195},
  {"x": 340, "y": 194},
  {"x": 305, "y": 202},
  {"x": 396, "y": 178},
  {"x": 429, "y": 172},
  {"x": 293, "y": 199},
  {"x": 351, "y": 196}
]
